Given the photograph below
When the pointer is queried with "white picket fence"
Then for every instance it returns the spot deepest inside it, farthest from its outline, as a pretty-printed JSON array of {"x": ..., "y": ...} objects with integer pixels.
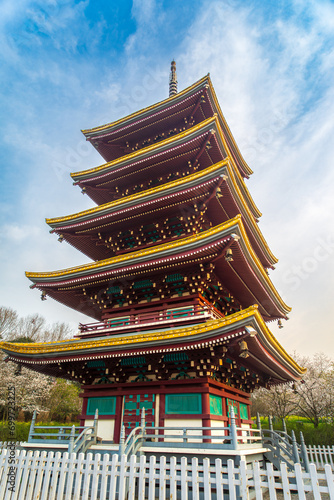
[
  {"x": 321, "y": 455},
  {"x": 49, "y": 476}
]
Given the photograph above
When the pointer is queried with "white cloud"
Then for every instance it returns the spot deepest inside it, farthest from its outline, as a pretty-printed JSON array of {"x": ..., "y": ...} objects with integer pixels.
[{"x": 16, "y": 234}]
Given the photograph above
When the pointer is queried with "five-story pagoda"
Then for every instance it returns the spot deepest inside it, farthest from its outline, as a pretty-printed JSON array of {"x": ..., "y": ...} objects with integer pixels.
[{"x": 177, "y": 283}]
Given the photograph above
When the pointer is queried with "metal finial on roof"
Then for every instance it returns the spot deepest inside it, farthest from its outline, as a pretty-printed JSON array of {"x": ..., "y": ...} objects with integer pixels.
[{"x": 172, "y": 79}]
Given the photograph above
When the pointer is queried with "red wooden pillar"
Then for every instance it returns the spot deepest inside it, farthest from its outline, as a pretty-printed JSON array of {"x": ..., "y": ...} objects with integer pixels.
[
  {"x": 84, "y": 411},
  {"x": 206, "y": 422},
  {"x": 118, "y": 418}
]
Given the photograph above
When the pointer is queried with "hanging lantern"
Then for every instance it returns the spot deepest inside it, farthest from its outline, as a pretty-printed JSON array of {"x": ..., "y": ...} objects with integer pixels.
[
  {"x": 229, "y": 255},
  {"x": 244, "y": 353}
]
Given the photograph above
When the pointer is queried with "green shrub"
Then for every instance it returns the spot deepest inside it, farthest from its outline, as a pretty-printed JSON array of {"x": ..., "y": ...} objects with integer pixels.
[
  {"x": 321, "y": 435},
  {"x": 22, "y": 429}
]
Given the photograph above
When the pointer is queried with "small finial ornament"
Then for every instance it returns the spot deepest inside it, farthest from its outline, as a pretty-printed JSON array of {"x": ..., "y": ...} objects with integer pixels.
[{"x": 172, "y": 80}]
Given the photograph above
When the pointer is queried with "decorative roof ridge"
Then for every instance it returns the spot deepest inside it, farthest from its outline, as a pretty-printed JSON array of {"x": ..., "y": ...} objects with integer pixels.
[
  {"x": 67, "y": 346},
  {"x": 177, "y": 96},
  {"x": 149, "y": 148}
]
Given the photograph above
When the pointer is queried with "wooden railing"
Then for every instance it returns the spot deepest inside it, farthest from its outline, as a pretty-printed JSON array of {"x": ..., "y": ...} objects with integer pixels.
[
  {"x": 150, "y": 320},
  {"x": 77, "y": 438},
  {"x": 227, "y": 438}
]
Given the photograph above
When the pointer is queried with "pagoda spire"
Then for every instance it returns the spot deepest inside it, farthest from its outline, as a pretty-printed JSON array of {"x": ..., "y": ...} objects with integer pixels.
[{"x": 172, "y": 79}]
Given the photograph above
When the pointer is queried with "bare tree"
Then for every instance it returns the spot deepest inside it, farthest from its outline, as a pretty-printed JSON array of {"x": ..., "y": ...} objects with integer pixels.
[
  {"x": 279, "y": 400},
  {"x": 56, "y": 331},
  {"x": 8, "y": 322},
  {"x": 30, "y": 327}
]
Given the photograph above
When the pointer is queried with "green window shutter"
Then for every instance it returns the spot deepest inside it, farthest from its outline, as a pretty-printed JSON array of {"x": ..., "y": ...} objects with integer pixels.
[
  {"x": 216, "y": 405},
  {"x": 189, "y": 404},
  {"x": 229, "y": 403},
  {"x": 243, "y": 411},
  {"x": 105, "y": 406}
]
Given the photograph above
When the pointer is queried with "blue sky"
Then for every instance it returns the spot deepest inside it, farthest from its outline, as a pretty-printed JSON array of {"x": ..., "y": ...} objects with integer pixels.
[{"x": 68, "y": 65}]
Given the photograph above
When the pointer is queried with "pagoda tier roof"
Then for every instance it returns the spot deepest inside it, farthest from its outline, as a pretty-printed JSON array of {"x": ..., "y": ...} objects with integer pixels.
[
  {"x": 266, "y": 355},
  {"x": 82, "y": 229},
  {"x": 168, "y": 155},
  {"x": 199, "y": 98},
  {"x": 246, "y": 277}
]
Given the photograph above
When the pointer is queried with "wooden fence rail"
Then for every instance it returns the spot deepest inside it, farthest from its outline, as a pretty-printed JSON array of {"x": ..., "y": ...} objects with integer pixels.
[{"x": 49, "y": 476}]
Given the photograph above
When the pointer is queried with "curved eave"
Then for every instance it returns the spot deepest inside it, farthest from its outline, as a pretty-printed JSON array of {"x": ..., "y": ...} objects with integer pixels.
[
  {"x": 273, "y": 356},
  {"x": 133, "y": 160},
  {"x": 147, "y": 152},
  {"x": 135, "y": 198},
  {"x": 205, "y": 240},
  {"x": 109, "y": 127},
  {"x": 166, "y": 190},
  {"x": 114, "y": 127},
  {"x": 145, "y": 204}
]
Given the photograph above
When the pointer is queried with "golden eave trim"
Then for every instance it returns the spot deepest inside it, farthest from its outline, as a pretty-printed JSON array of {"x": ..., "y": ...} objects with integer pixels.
[
  {"x": 148, "y": 149},
  {"x": 145, "y": 110},
  {"x": 114, "y": 203},
  {"x": 138, "y": 196},
  {"x": 95, "y": 266},
  {"x": 140, "y": 253},
  {"x": 75, "y": 345},
  {"x": 233, "y": 173}
]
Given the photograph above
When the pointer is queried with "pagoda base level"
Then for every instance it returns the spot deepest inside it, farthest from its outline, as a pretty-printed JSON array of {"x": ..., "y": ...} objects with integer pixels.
[{"x": 200, "y": 402}]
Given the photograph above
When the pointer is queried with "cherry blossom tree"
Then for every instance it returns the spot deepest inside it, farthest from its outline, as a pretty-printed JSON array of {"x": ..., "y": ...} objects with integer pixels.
[{"x": 33, "y": 390}]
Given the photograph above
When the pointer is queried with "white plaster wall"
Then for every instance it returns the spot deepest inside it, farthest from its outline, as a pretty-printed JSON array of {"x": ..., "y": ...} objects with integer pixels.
[
  {"x": 246, "y": 433},
  {"x": 105, "y": 428},
  {"x": 185, "y": 424},
  {"x": 157, "y": 409},
  {"x": 220, "y": 433}
]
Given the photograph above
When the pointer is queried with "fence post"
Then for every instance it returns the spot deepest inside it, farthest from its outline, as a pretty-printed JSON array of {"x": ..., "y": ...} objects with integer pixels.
[
  {"x": 96, "y": 416},
  {"x": 142, "y": 422},
  {"x": 71, "y": 443},
  {"x": 284, "y": 426},
  {"x": 60, "y": 433},
  {"x": 121, "y": 442},
  {"x": 295, "y": 448},
  {"x": 233, "y": 429},
  {"x": 258, "y": 421},
  {"x": 270, "y": 422},
  {"x": 32, "y": 427},
  {"x": 304, "y": 452}
]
